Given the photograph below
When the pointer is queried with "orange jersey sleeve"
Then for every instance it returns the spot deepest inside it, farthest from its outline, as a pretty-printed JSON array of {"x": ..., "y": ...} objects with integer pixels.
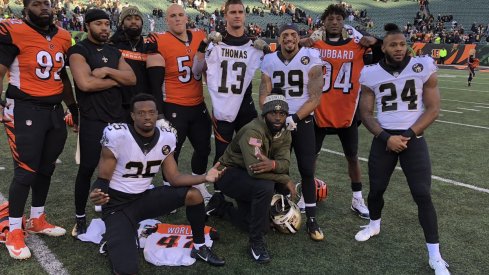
[
  {"x": 342, "y": 64},
  {"x": 180, "y": 86},
  {"x": 37, "y": 67}
]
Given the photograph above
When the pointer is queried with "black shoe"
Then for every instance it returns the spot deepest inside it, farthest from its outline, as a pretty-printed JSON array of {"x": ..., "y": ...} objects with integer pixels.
[
  {"x": 313, "y": 230},
  {"x": 259, "y": 252},
  {"x": 205, "y": 254},
  {"x": 214, "y": 207},
  {"x": 80, "y": 227}
]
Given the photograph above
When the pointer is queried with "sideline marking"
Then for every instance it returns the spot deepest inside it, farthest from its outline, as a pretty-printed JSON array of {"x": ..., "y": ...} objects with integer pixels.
[
  {"x": 457, "y": 112},
  {"x": 462, "y": 124}
]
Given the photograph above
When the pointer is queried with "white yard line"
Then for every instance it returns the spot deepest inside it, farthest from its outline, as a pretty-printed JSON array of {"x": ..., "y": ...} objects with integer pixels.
[
  {"x": 44, "y": 256},
  {"x": 459, "y": 89},
  {"x": 469, "y": 102},
  {"x": 487, "y": 107},
  {"x": 449, "y": 111},
  {"x": 468, "y": 109},
  {"x": 462, "y": 124},
  {"x": 457, "y": 183}
]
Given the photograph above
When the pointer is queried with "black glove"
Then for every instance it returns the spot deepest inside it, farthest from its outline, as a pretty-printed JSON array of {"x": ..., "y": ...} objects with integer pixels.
[{"x": 73, "y": 107}]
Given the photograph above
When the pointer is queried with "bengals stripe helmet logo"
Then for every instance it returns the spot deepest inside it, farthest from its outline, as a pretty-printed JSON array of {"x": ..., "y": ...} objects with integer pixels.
[{"x": 321, "y": 190}]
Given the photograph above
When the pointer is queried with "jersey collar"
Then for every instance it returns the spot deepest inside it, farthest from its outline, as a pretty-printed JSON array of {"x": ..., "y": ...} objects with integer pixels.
[
  {"x": 145, "y": 149},
  {"x": 395, "y": 70},
  {"x": 49, "y": 34}
]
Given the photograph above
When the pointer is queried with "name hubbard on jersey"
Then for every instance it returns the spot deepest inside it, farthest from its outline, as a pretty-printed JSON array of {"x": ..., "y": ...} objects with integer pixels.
[{"x": 337, "y": 54}]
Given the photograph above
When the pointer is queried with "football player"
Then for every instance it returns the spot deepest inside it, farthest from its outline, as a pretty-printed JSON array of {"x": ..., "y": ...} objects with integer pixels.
[
  {"x": 99, "y": 70},
  {"x": 343, "y": 59},
  {"x": 258, "y": 158},
  {"x": 405, "y": 92},
  {"x": 230, "y": 66},
  {"x": 299, "y": 73},
  {"x": 182, "y": 102},
  {"x": 131, "y": 156},
  {"x": 148, "y": 66},
  {"x": 33, "y": 51},
  {"x": 472, "y": 64}
]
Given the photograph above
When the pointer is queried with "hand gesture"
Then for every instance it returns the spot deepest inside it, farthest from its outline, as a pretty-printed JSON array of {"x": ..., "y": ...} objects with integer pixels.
[
  {"x": 214, "y": 37},
  {"x": 260, "y": 44},
  {"x": 397, "y": 143},
  {"x": 290, "y": 123},
  {"x": 4, "y": 117},
  {"x": 214, "y": 174},
  {"x": 265, "y": 164},
  {"x": 368, "y": 41},
  {"x": 98, "y": 197}
]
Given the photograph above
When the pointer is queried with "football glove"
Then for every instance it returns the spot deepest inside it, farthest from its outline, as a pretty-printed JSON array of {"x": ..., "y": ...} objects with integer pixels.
[
  {"x": 214, "y": 37},
  {"x": 317, "y": 35},
  {"x": 69, "y": 119},
  {"x": 290, "y": 123},
  {"x": 260, "y": 44}
]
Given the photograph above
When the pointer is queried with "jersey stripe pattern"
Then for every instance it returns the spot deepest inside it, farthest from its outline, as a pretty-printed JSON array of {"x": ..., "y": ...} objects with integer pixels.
[
  {"x": 230, "y": 70},
  {"x": 292, "y": 75},
  {"x": 180, "y": 86},
  {"x": 342, "y": 64},
  {"x": 399, "y": 96},
  {"x": 36, "y": 69}
]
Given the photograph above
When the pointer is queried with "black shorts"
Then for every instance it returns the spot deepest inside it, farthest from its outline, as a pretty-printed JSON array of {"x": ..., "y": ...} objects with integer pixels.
[{"x": 348, "y": 137}]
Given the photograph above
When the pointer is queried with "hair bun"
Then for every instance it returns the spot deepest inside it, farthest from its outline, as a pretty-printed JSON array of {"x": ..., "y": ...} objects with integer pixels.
[{"x": 389, "y": 27}]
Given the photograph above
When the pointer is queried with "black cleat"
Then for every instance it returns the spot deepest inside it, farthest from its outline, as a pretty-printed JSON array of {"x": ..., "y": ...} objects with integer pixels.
[
  {"x": 80, "y": 227},
  {"x": 214, "y": 207},
  {"x": 205, "y": 254},
  {"x": 259, "y": 252}
]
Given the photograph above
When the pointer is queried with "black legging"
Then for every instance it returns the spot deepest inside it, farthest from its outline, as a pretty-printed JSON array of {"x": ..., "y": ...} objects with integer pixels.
[{"x": 415, "y": 162}]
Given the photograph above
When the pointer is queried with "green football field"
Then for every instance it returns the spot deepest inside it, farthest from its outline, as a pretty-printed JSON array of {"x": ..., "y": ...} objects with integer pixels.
[{"x": 460, "y": 188}]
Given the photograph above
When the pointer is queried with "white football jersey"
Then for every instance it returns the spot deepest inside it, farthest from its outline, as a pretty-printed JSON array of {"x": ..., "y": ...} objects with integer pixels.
[
  {"x": 292, "y": 75},
  {"x": 171, "y": 245},
  {"x": 230, "y": 70},
  {"x": 136, "y": 166},
  {"x": 399, "y": 96}
]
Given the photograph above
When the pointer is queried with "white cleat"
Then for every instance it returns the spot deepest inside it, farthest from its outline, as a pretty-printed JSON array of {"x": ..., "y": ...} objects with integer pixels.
[
  {"x": 358, "y": 206},
  {"x": 439, "y": 266},
  {"x": 367, "y": 232}
]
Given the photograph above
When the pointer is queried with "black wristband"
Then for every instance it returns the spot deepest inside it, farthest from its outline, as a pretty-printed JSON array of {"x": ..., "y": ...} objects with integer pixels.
[
  {"x": 295, "y": 118},
  {"x": 101, "y": 184},
  {"x": 384, "y": 136},
  {"x": 202, "y": 47},
  {"x": 409, "y": 133},
  {"x": 73, "y": 107}
]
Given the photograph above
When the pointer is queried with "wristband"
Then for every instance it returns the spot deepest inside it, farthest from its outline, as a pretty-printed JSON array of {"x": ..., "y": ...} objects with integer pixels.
[
  {"x": 202, "y": 47},
  {"x": 384, "y": 136},
  {"x": 295, "y": 118},
  {"x": 101, "y": 184},
  {"x": 409, "y": 133}
]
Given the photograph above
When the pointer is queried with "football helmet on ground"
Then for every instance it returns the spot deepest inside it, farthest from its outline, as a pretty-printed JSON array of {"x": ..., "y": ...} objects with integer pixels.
[{"x": 285, "y": 214}]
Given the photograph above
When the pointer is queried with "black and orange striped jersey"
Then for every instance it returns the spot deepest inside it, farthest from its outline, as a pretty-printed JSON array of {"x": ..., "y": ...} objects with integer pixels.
[
  {"x": 342, "y": 64},
  {"x": 35, "y": 58},
  {"x": 181, "y": 86}
]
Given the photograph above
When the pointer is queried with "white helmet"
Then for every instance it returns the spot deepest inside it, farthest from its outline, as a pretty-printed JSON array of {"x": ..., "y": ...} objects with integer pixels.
[{"x": 285, "y": 214}]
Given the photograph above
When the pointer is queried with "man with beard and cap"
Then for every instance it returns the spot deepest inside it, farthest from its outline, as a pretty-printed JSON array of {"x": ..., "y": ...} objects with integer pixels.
[
  {"x": 181, "y": 98},
  {"x": 256, "y": 160},
  {"x": 99, "y": 71},
  {"x": 147, "y": 64},
  {"x": 33, "y": 51},
  {"x": 123, "y": 192},
  {"x": 298, "y": 71},
  {"x": 405, "y": 92}
]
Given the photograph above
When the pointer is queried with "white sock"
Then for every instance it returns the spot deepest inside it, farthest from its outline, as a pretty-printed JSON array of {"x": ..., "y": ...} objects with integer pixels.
[
  {"x": 357, "y": 194},
  {"x": 375, "y": 224},
  {"x": 166, "y": 183},
  {"x": 434, "y": 251},
  {"x": 14, "y": 223},
  {"x": 80, "y": 216},
  {"x": 198, "y": 245},
  {"x": 36, "y": 212}
]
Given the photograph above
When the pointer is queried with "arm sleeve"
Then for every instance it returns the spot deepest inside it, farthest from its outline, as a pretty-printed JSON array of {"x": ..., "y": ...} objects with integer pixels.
[
  {"x": 8, "y": 51},
  {"x": 248, "y": 153}
]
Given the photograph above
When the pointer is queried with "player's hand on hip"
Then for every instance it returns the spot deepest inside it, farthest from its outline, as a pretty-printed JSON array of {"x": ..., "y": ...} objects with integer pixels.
[
  {"x": 290, "y": 123},
  {"x": 397, "y": 143},
  {"x": 215, "y": 173},
  {"x": 99, "y": 73},
  {"x": 98, "y": 197}
]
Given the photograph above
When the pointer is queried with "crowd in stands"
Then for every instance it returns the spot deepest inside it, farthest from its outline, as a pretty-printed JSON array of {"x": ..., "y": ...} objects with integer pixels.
[
  {"x": 428, "y": 29},
  {"x": 424, "y": 28}
]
